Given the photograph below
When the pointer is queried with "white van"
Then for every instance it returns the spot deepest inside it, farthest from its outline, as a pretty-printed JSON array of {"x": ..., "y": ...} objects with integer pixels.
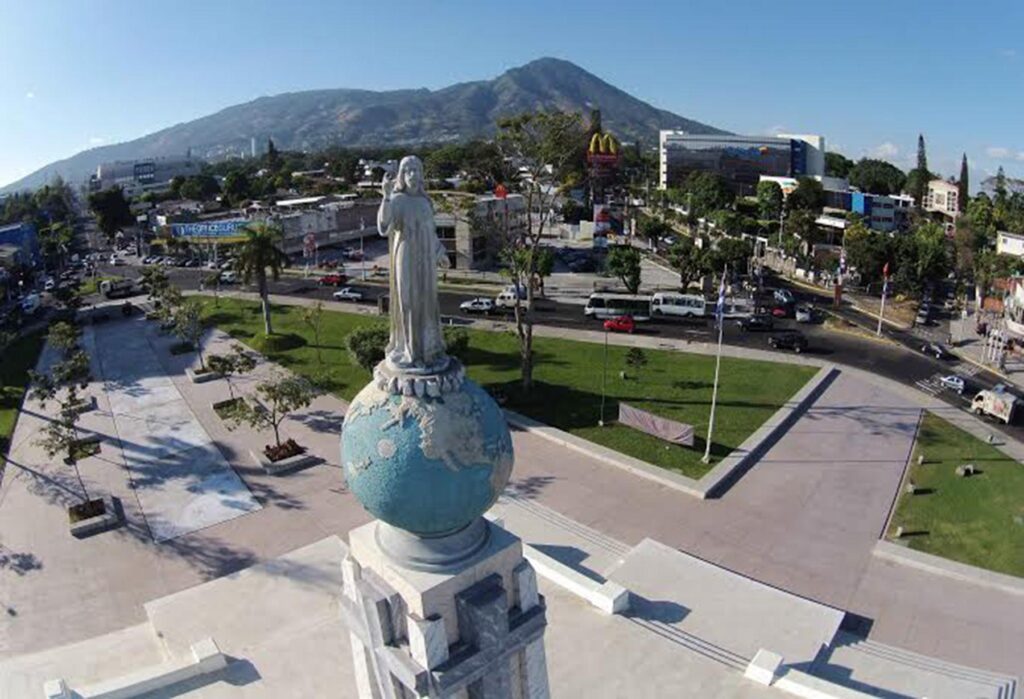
[
  {"x": 507, "y": 298},
  {"x": 681, "y": 305}
]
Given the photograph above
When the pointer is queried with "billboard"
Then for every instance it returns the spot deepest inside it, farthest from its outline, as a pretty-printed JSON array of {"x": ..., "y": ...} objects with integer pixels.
[{"x": 226, "y": 230}]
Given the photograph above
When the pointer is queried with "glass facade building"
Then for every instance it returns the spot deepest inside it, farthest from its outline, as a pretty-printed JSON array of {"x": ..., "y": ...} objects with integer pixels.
[{"x": 739, "y": 160}]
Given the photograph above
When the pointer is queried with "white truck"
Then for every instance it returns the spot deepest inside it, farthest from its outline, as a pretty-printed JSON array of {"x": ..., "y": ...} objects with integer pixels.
[{"x": 995, "y": 403}]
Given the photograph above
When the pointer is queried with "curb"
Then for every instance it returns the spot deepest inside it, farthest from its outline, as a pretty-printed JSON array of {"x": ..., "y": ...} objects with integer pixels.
[
  {"x": 930, "y": 563},
  {"x": 870, "y": 336},
  {"x": 719, "y": 478}
]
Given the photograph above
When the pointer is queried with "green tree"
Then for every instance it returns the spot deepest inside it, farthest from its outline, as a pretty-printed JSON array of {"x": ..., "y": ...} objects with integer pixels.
[
  {"x": 809, "y": 195},
  {"x": 652, "y": 229},
  {"x": 636, "y": 359},
  {"x": 877, "y": 177},
  {"x": 237, "y": 187},
  {"x": 258, "y": 254},
  {"x": 837, "y": 165},
  {"x": 963, "y": 185},
  {"x": 690, "y": 261},
  {"x": 273, "y": 156},
  {"x": 547, "y": 147},
  {"x": 54, "y": 241},
  {"x": 769, "y": 200},
  {"x": 545, "y": 263},
  {"x": 734, "y": 252},
  {"x": 707, "y": 192},
  {"x": 236, "y": 363},
  {"x": 199, "y": 187},
  {"x": 111, "y": 210},
  {"x": 366, "y": 345},
  {"x": 155, "y": 282},
  {"x": 313, "y": 317},
  {"x": 866, "y": 251},
  {"x": 624, "y": 262},
  {"x": 281, "y": 395},
  {"x": 188, "y": 325}
]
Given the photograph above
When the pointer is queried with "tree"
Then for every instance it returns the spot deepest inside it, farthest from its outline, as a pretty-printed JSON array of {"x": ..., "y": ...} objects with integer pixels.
[
  {"x": 691, "y": 262},
  {"x": 258, "y": 254},
  {"x": 877, "y": 177},
  {"x": 273, "y": 156},
  {"x": 734, "y": 252},
  {"x": 809, "y": 195},
  {"x": 366, "y": 345},
  {"x": 111, "y": 210},
  {"x": 313, "y": 317},
  {"x": 769, "y": 200},
  {"x": 237, "y": 187},
  {"x": 188, "y": 325},
  {"x": 281, "y": 396},
  {"x": 707, "y": 192},
  {"x": 963, "y": 185},
  {"x": 545, "y": 264},
  {"x": 546, "y": 147},
  {"x": 636, "y": 359},
  {"x": 155, "y": 282},
  {"x": 866, "y": 251},
  {"x": 199, "y": 187},
  {"x": 837, "y": 165},
  {"x": 237, "y": 363},
  {"x": 1000, "y": 200},
  {"x": 54, "y": 240},
  {"x": 624, "y": 263}
]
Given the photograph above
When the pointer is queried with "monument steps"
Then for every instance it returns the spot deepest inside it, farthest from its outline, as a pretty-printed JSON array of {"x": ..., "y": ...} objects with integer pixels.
[{"x": 608, "y": 544}]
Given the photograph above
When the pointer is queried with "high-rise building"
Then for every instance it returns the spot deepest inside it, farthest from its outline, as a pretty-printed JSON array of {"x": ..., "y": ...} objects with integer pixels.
[
  {"x": 739, "y": 160},
  {"x": 139, "y": 176}
]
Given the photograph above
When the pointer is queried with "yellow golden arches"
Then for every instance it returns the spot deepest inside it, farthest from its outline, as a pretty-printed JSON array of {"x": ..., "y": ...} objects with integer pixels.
[{"x": 604, "y": 144}]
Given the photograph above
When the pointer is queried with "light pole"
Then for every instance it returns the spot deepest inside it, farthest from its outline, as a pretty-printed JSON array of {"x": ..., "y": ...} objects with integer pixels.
[{"x": 604, "y": 378}]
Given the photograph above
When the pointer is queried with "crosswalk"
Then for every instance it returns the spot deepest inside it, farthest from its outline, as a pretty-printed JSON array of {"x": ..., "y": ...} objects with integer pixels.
[{"x": 931, "y": 385}]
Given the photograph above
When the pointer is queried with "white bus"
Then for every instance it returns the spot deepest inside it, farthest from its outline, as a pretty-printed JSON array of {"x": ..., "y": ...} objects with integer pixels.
[
  {"x": 680, "y": 305},
  {"x": 603, "y": 306}
]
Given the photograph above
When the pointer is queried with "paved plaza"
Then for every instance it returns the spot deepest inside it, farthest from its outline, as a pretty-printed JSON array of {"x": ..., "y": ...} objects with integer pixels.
[{"x": 803, "y": 519}]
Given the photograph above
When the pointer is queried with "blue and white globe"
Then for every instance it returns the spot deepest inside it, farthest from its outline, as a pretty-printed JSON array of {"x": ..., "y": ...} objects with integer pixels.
[{"x": 427, "y": 465}]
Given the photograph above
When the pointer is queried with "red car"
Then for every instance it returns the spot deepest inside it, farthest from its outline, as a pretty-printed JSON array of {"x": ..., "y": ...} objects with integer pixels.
[
  {"x": 333, "y": 279},
  {"x": 622, "y": 324}
]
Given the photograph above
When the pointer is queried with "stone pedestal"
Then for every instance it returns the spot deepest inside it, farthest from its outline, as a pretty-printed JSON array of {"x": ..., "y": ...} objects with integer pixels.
[{"x": 475, "y": 629}]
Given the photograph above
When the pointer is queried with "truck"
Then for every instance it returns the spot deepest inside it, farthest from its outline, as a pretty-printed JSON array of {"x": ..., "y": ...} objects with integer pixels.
[
  {"x": 999, "y": 404},
  {"x": 117, "y": 288}
]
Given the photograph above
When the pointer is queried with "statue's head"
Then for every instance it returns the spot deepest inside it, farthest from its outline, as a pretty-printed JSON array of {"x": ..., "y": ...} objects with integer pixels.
[{"x": 410, "y": 176}]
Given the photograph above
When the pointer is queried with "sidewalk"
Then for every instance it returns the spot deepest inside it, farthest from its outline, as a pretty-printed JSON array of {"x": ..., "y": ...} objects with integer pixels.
[{"x": 970, "y": 347}]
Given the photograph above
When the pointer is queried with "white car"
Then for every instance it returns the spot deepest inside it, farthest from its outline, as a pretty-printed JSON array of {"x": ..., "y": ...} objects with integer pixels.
[
  {"x": 477, "y": 305},
  {"x": 347, "y": 294},
  {"x": 953, "y": 383},
  {"x": 211, "y": 265},
  {"x": 50, "y": 285},
  {"x": 804, "y": 314},
  {"x": 784, "y": 296},
  {"x": 117, "y": 261},
  {"x": 228, "y": 277}
]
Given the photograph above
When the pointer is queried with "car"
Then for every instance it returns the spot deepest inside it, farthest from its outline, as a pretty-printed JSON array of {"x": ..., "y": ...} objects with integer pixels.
[
  {"x": 333, "y": 279},
  {"x": 477, "y": 305},
  {"x": 804, "y": 314},
  {"x": 347, "y": 294},
  {"x": 117, "y": 261},
  {"x": 784, "y": 296},
  {"x": 49, "y": 285},
  {"x": 953, "y": 383},
  {"x": 758, "y": 321},
  {"x": 227, "y": 264},
  {"x": 228, "y": 277},
  {"x": 790, "y": 340},
  {"x": 937, "y": 350},
  {"x": 621, "y": 324},
  {"x": 784, "y": 310},
  {"x": 355, "y": 255}
]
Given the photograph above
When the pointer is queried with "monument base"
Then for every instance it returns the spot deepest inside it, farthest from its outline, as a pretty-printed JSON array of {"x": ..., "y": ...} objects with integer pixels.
[{"x": 475, "y": 628}]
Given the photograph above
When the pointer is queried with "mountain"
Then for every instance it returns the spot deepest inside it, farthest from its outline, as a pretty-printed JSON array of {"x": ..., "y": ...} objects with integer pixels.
[{"x": 319, "y": 118}]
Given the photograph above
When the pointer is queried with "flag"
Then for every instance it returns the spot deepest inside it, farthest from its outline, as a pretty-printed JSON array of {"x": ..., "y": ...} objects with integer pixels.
[
  {"x": 885, "y": 271},
  {"x": 885, "y": 279},
  {"x": 720, "y": 306}
]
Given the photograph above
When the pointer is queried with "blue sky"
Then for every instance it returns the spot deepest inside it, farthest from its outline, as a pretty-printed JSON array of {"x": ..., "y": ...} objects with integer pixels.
[{"x": 867, "y": 75}]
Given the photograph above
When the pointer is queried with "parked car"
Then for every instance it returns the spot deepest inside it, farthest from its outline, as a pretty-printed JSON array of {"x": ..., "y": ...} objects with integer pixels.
[
  {"x": 353, "y": 254},
  {"x": 49, "y": 284},
  {"x": 477, "y": 305},
  {"x": 953, "y": 383},
  {"x": 783, "y": 310},
  {"x": 211, "y": 265},
  {"x": 936, "y": 350},
  {"x": 348, "y": 294},
  {"x": 758, "y": 321},
  {"x": 804, "y": 314},
  {"x": 333, "y": 280},
  {"x": 620, "y": 324},
  {"x": 228, "y": 277},
  {"x": 789, "y": 340}
]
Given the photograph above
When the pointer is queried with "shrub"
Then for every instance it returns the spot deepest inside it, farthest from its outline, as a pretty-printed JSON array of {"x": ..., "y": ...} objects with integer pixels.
[
  {"x": 269, "y": 344},
  {"x": 456, "y": 343},
  {"x": 366, "y": 345}
]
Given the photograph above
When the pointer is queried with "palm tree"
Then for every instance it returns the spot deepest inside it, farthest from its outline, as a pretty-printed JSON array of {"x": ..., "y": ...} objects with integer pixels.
[{"x": 261, "y": 252}]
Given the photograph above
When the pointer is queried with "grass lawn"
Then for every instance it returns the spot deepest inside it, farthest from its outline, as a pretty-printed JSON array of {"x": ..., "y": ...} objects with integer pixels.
[
  {"x": 14, "y": 365},
  {"x": 567, "y": 393},
  {"x": 970, "y": 520}
]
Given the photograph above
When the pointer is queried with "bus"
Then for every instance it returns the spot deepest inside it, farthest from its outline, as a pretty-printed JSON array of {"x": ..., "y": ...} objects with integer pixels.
[
  {"x": 680, "y": 305},
  {"x": 603, "y": 306}
]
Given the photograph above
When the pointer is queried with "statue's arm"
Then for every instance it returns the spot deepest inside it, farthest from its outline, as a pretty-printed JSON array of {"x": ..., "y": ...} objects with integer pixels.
[{"x": 384, "y": 212}]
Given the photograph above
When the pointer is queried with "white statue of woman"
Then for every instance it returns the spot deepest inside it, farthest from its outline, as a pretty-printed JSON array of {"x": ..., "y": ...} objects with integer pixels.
[{"x": 406, "y": 216}]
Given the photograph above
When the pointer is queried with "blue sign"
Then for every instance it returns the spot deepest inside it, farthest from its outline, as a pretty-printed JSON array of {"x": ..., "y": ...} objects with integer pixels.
[{"x": 209, "y": 229}]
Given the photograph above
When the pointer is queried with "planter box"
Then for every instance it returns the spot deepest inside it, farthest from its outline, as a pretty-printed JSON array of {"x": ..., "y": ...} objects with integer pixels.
[
  {"x": 86, "y": 406},
  {"x": 201, "y": 378},
  {"x": 290, "y": 464},
  {"x": 110, "y": 518}
]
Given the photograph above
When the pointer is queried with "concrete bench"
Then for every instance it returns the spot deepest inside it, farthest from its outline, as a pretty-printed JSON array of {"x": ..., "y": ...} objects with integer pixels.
[
  {"x": 609, "y": 597},
  {"x": 205, "y": 659}
]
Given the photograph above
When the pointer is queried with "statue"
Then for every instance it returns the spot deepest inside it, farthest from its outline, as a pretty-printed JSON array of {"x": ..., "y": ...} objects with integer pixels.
[{"x": 406, "y": 217}]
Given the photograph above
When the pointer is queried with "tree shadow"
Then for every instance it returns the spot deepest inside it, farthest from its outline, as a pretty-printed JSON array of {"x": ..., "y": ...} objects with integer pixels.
[
  {"x": 18, "y": 563},
  {"x": 529, "y": 488}
]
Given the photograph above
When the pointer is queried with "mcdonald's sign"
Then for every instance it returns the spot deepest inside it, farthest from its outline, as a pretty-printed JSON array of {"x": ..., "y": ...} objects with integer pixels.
[{"x": 603, "y": 149}]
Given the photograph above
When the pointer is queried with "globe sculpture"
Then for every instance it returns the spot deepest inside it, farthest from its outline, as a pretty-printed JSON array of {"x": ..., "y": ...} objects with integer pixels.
[{"x": 424, "y": 449}]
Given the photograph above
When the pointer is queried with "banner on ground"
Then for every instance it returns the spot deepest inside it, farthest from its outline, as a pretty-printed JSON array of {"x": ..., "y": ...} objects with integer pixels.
[{"x": 661, "y": 427}]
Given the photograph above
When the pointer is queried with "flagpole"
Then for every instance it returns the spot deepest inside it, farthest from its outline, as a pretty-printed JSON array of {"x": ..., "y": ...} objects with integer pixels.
[
  {"x": 885, "y": 289},
  {"x": 718, "y": 365}
]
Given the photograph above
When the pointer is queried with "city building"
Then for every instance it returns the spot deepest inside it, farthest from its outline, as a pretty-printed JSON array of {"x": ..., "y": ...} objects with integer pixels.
[
  {"x": 147, "y": 175},
  {"x": 943, "y": 197},
  {"x": 879, "y": 212},
  {"x": 330, "y": 223},
  {"x": 20, "y": 243},
  {"x": 1010, "y": 243},
  {"x": 739, "y": 160},
  {"x": 474, "y": 239}
]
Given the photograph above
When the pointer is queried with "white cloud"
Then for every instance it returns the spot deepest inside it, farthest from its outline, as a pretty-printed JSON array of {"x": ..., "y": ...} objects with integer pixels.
[
  {"x": 96, "y": 140},
  {"x": 884, "y": 150},
  {"x": 30, "y": 95},
  {"x": 997, "y": 152}
]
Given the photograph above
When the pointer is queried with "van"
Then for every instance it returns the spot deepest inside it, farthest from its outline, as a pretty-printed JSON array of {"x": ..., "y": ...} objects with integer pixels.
[
  {"x": 506, "y": 299},
  {"x": 680, "y": 305}
]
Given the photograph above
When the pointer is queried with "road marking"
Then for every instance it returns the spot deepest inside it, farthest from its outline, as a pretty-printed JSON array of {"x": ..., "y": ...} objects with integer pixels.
[
  {"x": 968, "y": 369},
  {"x": 928, "y": 387}
]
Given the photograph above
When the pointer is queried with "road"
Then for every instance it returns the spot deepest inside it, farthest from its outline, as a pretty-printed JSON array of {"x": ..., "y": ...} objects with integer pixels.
[{"x": 899, "y": 360}]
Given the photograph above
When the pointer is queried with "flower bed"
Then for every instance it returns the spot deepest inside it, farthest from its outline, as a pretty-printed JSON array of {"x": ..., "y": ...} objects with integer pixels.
[{"x": 225, "y": 409}]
